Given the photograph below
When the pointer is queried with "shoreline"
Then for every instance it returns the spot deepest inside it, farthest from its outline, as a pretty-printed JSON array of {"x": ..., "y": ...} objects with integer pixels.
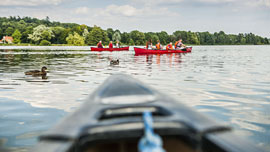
[
  {"x": 45, "y": 47},
  {"x": 15, "y": 47}
]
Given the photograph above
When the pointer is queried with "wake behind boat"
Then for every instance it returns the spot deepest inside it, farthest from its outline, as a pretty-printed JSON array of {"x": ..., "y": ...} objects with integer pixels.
[
  {"x": 111, "y": 120},
  {"x": 139, "y": 51},
  {"x": 110, "y": 49}
]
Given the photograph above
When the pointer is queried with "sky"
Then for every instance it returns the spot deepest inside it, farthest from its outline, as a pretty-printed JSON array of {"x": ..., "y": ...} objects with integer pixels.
[{"x": 230, "y": 16}]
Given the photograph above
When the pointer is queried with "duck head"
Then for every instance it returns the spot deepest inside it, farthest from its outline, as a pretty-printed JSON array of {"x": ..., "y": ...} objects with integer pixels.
[{"x": 44, "y": 69}]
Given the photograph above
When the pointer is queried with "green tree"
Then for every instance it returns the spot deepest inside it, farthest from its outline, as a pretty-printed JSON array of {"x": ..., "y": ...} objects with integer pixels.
[
  {"x": 17, "y": 36},
  {"x": 148, "y": 36},
  {"x": 220, "y": 37},
  {"x": 96, "y": 35},
  {"x": 125, "y": 38},
  {"x": 85, "y": 33},
  {"x": 75, "y": 39},
  {"x": 183, "y": 35},
  {"x": 79, "y": 29},
  {"x": 1, "y": 32},
  {"x": 163, "y": 37},
  {"x": 28, "y": 30},
  {"x": 172, "y": 38},
  {"x": 138, "y": 37},
  {"x": 58, "y": 32},
  {"x": 151, "y": 36},
  {"x": 41, "y": 32},
  {"x": 46, "y": 35},
  {"x": 131, "y": 42},
  {"x": 155, "y": 38},
  {"x": 64, "y": 35},
  {"x": 116, "y": 36},
  {"x": 110, "y": 33},
  {"x": 9, "y": 31},
  {"x": 192, "y": 38},
  {"x": 45, "y": 43}
]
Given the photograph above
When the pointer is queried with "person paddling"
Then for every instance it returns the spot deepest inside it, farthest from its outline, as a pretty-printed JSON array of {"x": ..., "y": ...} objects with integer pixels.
[
  {"x": 179, "y": 44},
  {"x": 110, "y": 45},
  {"x": 99, "y": 45},
  {"x": 158, "y": 46},
  {"x": 169, "y": 46},
  {"x": 117, "y": 44},
  {"x": 149, "y": 44}
]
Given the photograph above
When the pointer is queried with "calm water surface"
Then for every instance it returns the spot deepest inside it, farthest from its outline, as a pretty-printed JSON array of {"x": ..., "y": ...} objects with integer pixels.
[{"x": 229, "y": 83}]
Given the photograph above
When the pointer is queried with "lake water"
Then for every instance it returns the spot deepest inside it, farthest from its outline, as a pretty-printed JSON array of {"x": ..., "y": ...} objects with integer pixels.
[{"x": 229, "y": 83}]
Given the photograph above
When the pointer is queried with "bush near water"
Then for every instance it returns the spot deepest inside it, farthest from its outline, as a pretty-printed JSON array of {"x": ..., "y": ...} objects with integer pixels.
[{"x": 41, "y": 31}]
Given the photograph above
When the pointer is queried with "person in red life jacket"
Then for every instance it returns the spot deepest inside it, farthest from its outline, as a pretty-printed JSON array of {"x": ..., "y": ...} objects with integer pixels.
[
  {"x": 158, "y": 46},
  {"x": 169, "y": 46},
  {"x": 99, "y": 45},
  {"x": 110, "y": 45},
  {"x": 179, "y": 44}
]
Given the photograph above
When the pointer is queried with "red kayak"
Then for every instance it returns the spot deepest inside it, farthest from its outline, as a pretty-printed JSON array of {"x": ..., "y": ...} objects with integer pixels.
[
  {"x": 110, "y": 49},
  {"x": 148, "y": 51}
]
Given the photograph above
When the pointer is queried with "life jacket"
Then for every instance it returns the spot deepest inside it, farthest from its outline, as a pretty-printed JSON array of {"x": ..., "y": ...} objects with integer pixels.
[
  {"x": 179, "y": 45},
  {"x": 110, "y": 45},
  {"x": 175, "y": 44},
  {"x": 169, "y": 47},
  {"x": 158, "y": 46},
  {"x": 99, "y": 45}
]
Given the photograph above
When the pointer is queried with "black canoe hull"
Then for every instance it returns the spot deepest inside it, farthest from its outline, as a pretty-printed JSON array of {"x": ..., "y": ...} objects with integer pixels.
[{"x": 113, "y": 113}]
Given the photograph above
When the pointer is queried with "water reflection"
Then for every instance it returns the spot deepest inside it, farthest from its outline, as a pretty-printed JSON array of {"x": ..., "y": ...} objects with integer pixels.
[
  {"x": 168, "y": 59},
  {"x": 232, "y": 86},
  {"x": 21, "y": 123}
]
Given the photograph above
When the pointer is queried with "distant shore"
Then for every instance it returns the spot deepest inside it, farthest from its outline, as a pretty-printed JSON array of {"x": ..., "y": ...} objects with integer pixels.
[
  {"x": 81, "y": 48},
  {"x": 45, "y": 47}
]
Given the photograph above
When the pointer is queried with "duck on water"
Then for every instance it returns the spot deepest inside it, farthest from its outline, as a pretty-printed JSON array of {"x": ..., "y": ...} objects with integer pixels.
[
  {"x": 43, "y": 72},
  {"x": 114, "y": 62}
]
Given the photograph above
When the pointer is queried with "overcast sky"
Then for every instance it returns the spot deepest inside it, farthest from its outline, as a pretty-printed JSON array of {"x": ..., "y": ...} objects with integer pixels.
[{"x": 230, "y": 16}]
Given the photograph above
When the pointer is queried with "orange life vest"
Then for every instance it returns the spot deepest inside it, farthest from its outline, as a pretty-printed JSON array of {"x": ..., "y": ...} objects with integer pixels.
[
  {"x": 158, "y": 46},
  {"x": 175, "y": 44},
  {"x": 169, "y": 47}
]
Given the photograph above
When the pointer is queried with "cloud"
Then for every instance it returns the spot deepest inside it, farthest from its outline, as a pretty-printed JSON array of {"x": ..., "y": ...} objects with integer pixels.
[
  {"x": 124, "y": 10},
  {"x": 257, "y": 3},
  {"x": 29, "y": 2},
  {"x": 215, "y": 1},
  {"x": 238, "y": 16},
  {"x": 242, "y": 3},
  {"x": 81, "y": 10},
  {"x": 130, "y": 11},
  {"x": 151, "y": 3}
]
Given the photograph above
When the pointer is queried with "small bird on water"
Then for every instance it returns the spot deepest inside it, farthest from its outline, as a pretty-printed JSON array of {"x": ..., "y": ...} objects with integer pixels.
[
  {"x": 114, "y": 62},
  {"x": 43, "y": 72}
]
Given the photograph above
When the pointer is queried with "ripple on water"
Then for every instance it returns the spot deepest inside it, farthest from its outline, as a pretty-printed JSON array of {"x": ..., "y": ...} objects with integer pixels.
[
  {"x": 22, "y": 123},
  {"x": 251, "y": 97},
  {"x": 228, "y": 83}
]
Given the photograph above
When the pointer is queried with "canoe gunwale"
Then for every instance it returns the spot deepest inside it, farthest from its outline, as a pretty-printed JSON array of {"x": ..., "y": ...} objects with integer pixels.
[
  {"x": 139, "y": 51},
  {"x": 85, "y": 126},
  {"x": 110, "y": 49}
]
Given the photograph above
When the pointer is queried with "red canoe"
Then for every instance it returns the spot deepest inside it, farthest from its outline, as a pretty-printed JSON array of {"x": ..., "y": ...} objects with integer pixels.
[
  {"x": 110, "y": 49},
  {"x": 148, "y": 51}
]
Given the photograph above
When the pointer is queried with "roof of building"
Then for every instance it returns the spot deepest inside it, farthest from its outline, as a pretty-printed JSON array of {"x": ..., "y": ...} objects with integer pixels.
[{"x": 8, "y": 38}]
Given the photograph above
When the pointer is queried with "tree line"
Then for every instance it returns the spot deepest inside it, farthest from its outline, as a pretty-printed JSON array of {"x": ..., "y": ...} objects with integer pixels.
[{"x": 46, "y": 32}]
